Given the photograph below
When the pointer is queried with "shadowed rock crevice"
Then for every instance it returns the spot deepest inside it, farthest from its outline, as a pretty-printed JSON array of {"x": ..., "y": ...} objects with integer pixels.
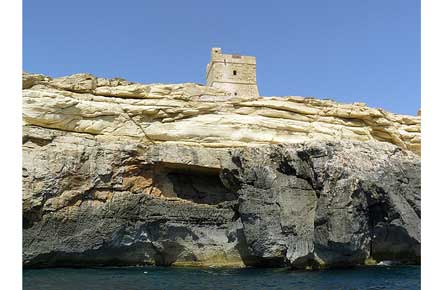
[
  {"x": 199, "y": 186},
  {"x": 393, "y": 237}
]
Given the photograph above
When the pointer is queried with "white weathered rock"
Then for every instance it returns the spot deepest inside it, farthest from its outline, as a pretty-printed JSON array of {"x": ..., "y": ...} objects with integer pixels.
[{"x": 192, "y": 113}]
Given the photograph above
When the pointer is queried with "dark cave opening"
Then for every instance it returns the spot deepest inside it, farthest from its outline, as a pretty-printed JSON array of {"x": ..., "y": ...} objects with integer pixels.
[{"x": 199, "y": 185}]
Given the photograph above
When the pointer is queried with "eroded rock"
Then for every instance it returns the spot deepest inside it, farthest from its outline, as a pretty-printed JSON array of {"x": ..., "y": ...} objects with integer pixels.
[
  {"x": 328, "y": 203},
  {"x": 94, "y": 201},
  {"x": 119, "y": 173},
  {"x": 203, "y": 115}
]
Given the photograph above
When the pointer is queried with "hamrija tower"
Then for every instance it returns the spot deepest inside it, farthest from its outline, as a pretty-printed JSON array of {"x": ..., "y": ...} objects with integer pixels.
[{"x": 235, "y": 74}]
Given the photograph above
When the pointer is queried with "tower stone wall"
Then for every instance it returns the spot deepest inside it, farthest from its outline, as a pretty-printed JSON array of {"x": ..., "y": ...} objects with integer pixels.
[{"x": 236, "y": 74}]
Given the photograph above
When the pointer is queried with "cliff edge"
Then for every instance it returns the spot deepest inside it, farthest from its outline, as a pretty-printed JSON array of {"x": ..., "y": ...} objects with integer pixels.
[{"x": 191, "y": 113}]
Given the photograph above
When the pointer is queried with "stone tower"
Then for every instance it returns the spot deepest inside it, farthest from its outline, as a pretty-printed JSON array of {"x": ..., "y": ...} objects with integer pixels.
[{"x": 236, "y": 74}]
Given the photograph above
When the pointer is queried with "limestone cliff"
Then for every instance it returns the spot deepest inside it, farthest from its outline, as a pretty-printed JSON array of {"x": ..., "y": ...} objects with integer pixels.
[
  {"x": 118, "y": 173},
  {"x": 202, "y": 115}
]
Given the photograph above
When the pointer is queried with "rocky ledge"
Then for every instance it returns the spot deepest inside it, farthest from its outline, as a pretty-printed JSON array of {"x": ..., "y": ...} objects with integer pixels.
[
  {"x": 202, "y": 115},
  {"x": 117, "y": 173}
]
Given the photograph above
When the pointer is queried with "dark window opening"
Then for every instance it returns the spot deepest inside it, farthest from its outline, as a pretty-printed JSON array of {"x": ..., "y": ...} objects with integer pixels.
[
  {"x": 234, "y": 72},
  {"x": 235, "y": 94}
]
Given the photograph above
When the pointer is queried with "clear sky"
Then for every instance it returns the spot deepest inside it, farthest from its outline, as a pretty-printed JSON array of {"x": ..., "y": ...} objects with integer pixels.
[{"x": 346, "y": 50}]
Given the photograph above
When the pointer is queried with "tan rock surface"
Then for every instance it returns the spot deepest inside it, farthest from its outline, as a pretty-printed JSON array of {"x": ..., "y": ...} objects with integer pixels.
[{"x": 196, "y": 114}]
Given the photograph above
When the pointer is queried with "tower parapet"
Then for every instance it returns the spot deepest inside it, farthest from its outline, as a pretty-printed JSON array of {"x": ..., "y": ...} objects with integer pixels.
[{"x": 235, "y": 74}]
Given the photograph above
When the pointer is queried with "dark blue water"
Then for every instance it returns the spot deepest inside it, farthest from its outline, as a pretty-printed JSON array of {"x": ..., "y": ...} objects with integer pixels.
[{"x": 396, "y": 277}]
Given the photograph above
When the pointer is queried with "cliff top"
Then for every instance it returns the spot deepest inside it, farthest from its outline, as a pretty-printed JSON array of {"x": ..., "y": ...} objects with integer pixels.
[{"x": 207, "y": 116}]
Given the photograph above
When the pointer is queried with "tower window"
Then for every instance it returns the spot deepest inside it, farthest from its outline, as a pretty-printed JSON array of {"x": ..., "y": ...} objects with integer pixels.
[
  {"x": 235, "y": 94},
  {"x": 234, "y": 72}
]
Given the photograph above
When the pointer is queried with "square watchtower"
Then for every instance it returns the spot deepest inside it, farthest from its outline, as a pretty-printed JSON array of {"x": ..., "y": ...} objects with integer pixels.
[{"x": 236, "y": 74}]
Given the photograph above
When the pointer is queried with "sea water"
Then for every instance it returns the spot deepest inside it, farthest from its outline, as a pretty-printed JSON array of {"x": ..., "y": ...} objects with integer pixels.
[{"x": 131, "y": 278}]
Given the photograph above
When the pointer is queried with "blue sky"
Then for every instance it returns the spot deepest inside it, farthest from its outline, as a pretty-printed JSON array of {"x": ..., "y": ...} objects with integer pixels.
[{"x": 346, "y": 50}]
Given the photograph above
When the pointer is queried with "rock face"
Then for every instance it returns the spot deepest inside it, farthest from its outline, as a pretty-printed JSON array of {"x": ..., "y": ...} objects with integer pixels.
[
  {"x": 328, "y": 203},
  {"x": 116, "y": 173}
]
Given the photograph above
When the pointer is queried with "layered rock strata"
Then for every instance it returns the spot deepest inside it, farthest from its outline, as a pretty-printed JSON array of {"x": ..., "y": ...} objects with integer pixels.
[
  {"x": 116, "y": 173},
  {"x": 203, "y": 115}
]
